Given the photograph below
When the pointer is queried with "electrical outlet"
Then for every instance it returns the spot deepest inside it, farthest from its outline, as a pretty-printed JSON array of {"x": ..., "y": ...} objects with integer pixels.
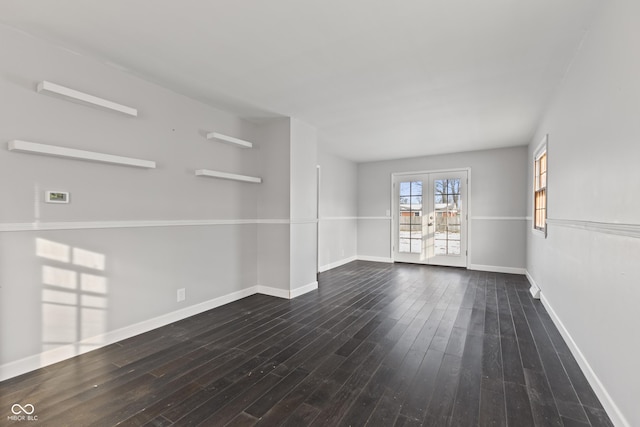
[{"x": 182, "y": 294}]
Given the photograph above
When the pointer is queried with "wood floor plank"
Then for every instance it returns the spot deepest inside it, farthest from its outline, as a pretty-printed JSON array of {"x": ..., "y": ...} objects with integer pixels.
[
  {"x": 421, "y": 388},
  {"x": 304, "y": 415},
  {"x": 492, "y": 404},
  {"x": 441, "y": 404},
  {"x": 467, "y": 400},
  {"x": 543, "y": 405},
  {"x": 518, "y": 406},
  {"x": 281, "y": 411},
  {"x": 275, "y": 394}
]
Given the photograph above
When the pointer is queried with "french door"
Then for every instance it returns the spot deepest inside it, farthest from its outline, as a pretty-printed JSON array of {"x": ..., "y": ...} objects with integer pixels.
[{"x": 430, "y": 218}]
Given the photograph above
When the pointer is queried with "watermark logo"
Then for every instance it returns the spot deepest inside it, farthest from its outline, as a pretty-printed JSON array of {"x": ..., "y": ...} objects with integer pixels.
[
  {"x": 22, "y": 413},
  {"x": 18, "y": 409}
]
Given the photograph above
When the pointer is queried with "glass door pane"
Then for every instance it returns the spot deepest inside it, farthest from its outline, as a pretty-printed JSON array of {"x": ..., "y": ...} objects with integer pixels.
[
  {"x": 410, "y": 217},
  {"x": 447, "y": 207}
]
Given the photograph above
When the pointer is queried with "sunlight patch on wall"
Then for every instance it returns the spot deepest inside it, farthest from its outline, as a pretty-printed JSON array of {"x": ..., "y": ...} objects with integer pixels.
[
  {"x": 93, "y": 283},
  {"x": 52, "y": 250},
  {"x": 74, "y": 297},
  {"x": 57, "y": 297},
  {"x": 88, "y": 259},
  {"x": 59, "y": 277},
  {"x": 59, "y": 325}
]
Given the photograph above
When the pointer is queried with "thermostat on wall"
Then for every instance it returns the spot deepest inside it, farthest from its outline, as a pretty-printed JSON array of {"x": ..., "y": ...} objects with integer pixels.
[{"x": 57, "y": 197}]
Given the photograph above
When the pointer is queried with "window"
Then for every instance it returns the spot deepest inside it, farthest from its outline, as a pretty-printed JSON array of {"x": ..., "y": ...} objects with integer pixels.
[{"x": 540, "y": 190}]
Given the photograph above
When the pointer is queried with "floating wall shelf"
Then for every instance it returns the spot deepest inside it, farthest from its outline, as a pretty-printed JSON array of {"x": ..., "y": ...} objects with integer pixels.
[
  {"x": 74, "y": 95},
  {"x": 225, "y": 175},
  {"x": 72, "y": 153},
  {"x": 230, "y": 140}
]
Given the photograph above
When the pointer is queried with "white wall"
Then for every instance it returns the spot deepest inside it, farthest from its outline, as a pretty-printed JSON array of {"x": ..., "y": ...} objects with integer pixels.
[
  {"x": 304, "y": 199},
  {"x": 587, "y": 268},
  {"x": 274, "y": 204},
  {"x": 497, "y": 205},
  {"x": 338, "y": 210}
]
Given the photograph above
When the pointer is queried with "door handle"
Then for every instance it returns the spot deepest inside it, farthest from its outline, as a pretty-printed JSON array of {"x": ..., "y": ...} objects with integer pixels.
[{"x": 430, "y": 224}]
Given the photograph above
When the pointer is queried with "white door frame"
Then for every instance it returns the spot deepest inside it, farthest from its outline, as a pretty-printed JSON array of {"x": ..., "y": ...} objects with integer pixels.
[{"x": 394, "y": 208}]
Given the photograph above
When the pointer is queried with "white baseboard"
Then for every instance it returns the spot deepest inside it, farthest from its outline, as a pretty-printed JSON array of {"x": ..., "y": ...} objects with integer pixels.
[
  {"x": 530, "y": 279},
  {"x": 609, "y": 405},
  {"x": 497, "y": 269},
  {"x": 303, "y": 289},
  {"x": 375, "y": 259},
  {"x": 273, "y": 292},
  {"x": 337, "y": 264},
  {"x": 535, "y": 292},
  {"x": 534, "y": 289},
  {"x": 286, "y": 293},
  {"x": 59, "y": 354}
]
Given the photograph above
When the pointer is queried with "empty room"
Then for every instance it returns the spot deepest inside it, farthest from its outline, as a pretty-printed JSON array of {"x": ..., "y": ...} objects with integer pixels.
[{"x": 319, "y": 213}]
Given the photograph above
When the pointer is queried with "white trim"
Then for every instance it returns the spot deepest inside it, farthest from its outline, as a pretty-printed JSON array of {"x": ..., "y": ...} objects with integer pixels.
[
  {"x": 498, "y": 218},
  {"x": 46, "y": 358},
  {"x": 83, "y": 225},
  {"x": 272, "y": 221},
  {"x": 72, "y": 153},
  {"x": 303, "y": 290},
  {"x": 543, "y": 148},
  {"x": 355, "y": 218},
  {"x": 337, "y": 264},
  {"x": 375, "y": 259},
  {"x": 274, "y": 292},
  {"x": 286, "y": 293},
  {"x": 237, "y": 142},
  {"x": 75, "y": 95},
  {"x": 535, "y": 290},
  {"x": 229, "y": 176},
  {"x": 497, "y": 269},
  {"x": 617, "y": 417},
  {"x": 421, "y": 172},
  {"x": 338, "y": 218},
  {"x": 628, "y": 230},
  {"x": 318, "y": 204},
  {"x": 303, "y": 221},
  {"x": 530, "y": 278}
]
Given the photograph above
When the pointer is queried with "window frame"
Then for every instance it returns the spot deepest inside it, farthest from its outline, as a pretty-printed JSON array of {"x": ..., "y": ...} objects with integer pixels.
[{"x": 541, "y": 187}]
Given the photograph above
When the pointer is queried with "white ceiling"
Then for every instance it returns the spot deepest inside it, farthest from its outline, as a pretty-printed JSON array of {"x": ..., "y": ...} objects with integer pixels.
[{"x": 379, "y": 79}]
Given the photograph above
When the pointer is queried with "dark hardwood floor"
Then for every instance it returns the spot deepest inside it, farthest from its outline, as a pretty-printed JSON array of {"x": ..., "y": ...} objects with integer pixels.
[{"x": 377, "y": 344}]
